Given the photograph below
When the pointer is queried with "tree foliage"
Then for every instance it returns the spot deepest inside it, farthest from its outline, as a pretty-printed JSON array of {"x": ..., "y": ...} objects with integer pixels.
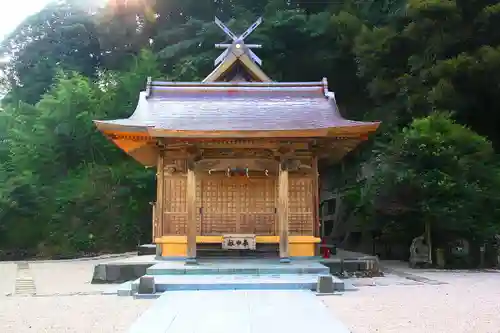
[
  {"x": 60, "y": 36},
  {"x": 440, "y": 172},
  {"x": 68, "y": 190}
]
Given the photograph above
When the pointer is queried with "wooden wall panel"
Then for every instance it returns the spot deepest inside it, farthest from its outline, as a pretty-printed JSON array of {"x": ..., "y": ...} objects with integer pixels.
[
  {"x": 301, "y": 208},
  {"x": 237, "y": 205},
  {"x": 174, "y": 205}
]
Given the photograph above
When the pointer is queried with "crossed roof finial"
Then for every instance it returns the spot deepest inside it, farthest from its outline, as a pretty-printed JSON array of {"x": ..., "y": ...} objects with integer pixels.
[{"x": 238, "y": 41}]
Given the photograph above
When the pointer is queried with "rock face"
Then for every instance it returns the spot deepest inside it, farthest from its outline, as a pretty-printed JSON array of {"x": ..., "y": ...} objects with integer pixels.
[
  {"x": 325, "y": 284},
  {"x": 146, "y": 285}
]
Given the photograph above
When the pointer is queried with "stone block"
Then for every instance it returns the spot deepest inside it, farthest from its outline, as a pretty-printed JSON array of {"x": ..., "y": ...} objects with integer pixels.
[
  {"x": 146, "y": 296},
  {"x": 338, "y": 285},
  {"x": 99, "y": 275},
  {"x": 325, "y": 284},
  {"x": 113, "y": 273},
  {"x": 335, "y": 267},
  {"x": 118, "y": 272},
  {"x": 134, "y": 287},
  {"x": 191, "y": 262},
  {"x": 127, "y": 273},
  {"x": 146, "y": 285},
  {"x": 124, "y": 292},
  {"x": 146, "y": 249},
  {"x": 139, "y": 270},
  {"x": 351, "y": 265},
  {"x": 285, "y": 260}
]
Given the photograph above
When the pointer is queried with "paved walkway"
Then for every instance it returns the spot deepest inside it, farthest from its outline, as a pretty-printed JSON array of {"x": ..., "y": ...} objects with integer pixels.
[{"x": 242, "y": 311}]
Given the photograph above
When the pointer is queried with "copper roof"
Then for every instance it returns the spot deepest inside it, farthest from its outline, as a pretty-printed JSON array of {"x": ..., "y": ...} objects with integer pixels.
[{"x": 245, "y": 106}]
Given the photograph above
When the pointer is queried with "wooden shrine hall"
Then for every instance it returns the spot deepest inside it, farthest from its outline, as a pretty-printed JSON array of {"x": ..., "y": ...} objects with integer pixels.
[{"x": 236, "y": 156}]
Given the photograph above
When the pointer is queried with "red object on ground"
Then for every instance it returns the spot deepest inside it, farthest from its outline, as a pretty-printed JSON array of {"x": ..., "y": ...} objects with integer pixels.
[{"x": 324, "y": 250}]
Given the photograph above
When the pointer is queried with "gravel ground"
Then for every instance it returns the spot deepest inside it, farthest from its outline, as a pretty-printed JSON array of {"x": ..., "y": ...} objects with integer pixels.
[
  {"x": 78, "y": 314},
  {"x": 467, "y": 302},
  {"x": 65, "y": 277},
  {"x": 7, "y": 278},
  {"x": 57, "y": 306}
]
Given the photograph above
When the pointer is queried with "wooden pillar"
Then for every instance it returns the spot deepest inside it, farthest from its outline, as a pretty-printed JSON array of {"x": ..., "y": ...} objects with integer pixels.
[
  {"x": 317, "y": 221},
  {"x": 158, "y": 213},
  {"x": 154, "y": 229},
  {"x": 191, "y": 214},
  {"x": 283, "y": 211}
]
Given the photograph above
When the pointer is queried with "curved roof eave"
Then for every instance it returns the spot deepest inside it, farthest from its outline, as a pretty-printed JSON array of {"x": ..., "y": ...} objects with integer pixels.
[
  {"x": 257, "y": 109},
  {"x": 346, "y": 131},
  {"x": 113, "y": 126}
]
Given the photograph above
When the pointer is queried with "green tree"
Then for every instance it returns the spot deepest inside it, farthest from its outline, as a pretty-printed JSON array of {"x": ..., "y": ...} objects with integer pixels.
[
  {"x": 59, "y": 36},
  {"x": 67, "y": 190},
  {"x": 439, "y": 172},
  {"x": 438, "y": 55}
]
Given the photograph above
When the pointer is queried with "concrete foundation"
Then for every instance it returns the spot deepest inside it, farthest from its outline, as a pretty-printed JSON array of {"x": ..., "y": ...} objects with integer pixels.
[
  {"x": 122, "y": 270},
  {"x": 132, "y": 268},
  {"x": 147, "y": 249}
]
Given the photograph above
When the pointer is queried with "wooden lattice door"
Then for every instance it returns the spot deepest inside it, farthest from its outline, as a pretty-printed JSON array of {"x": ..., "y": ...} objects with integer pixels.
[
  {"x": 257, "y": 206},
  {"x": 219, "y": 211},
  {"x": 237, "y": 206}
]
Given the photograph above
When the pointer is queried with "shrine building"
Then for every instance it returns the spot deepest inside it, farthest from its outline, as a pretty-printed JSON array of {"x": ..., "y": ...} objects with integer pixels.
[{"x": 236, "y": 156}]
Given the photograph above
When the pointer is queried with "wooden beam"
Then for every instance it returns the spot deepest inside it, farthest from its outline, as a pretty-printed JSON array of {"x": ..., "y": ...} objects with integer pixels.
[
  {"x": 191, "y": 213},
  {"x": 352, "y": 131},
  {"x": 283, "y": 211},
  {"x": 238, "y": 142}
]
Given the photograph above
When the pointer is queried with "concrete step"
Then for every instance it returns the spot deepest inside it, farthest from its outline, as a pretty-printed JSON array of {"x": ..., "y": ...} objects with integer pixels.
[
  {"x": 231, "y": 282},
  {"x": 236, "y": 282},
  {"x": 238, "y": 267}
]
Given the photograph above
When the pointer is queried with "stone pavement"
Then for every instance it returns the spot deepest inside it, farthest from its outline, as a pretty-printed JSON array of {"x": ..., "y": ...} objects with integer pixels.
[
  {"x": 243, "y": 311},
  {"x": 25, "y": 284}
]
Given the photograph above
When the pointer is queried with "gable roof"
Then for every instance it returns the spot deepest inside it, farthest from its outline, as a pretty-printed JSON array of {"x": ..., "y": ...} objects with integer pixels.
[{"x": 237, "y": 56}]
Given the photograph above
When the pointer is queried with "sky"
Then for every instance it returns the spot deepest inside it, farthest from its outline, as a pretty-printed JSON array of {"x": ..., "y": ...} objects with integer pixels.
[{"x": 14, "y": 12}]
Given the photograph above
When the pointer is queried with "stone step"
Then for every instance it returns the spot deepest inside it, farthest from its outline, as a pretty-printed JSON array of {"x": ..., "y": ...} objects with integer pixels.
[
  {"x": 235, "y": 282},
  {"x": 229, "y": 267}
]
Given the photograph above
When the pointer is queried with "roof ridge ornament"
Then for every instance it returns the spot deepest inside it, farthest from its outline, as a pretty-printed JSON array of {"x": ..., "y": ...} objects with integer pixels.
[{"x": 238, "y": 42}]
